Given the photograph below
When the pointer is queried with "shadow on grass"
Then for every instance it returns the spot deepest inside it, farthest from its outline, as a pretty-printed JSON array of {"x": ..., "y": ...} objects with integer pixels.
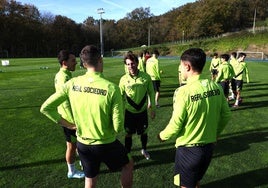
[
  {"x": 240, "y": 142},
  {"x": 28, "y": 165},
  {"x": 242, "y": 180},
  {"x": 250, "y": 105}
]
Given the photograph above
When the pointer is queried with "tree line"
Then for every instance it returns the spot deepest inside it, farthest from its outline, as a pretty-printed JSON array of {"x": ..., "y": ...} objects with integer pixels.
[{"x": 25, "y": 32}]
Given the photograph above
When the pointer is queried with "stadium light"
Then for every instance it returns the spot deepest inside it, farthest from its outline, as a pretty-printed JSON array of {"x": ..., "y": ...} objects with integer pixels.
[{"x": 100, "y": 11}]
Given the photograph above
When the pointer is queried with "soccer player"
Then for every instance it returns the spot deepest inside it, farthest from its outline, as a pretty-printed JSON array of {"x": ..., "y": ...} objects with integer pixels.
[
  {"x": 135, "y": 86},
  {"x": 141, "y": 65},
  {"x": 225, "y": 74},
  {"x": 239, "y": 69},
  {"x": 200, "y": 113},
  {"x": 215, "y": 62},
  {"x": 152, "y": 68},
  {"x": 233, "y": 62},
  {"x": 98, "y": 114},
  {"x": 67, "y": 63}
]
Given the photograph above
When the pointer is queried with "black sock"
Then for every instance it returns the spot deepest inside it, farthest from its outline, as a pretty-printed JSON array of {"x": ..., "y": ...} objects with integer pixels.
[
  {"x": 144, "y": 140},
  {"x": 128, "y": 143}
]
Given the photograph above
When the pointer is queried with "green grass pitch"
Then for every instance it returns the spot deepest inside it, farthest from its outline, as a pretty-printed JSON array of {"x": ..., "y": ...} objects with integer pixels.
[{"x": 32, "y": 149}]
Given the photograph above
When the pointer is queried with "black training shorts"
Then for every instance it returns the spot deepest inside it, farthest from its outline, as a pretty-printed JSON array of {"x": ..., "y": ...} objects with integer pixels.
[
  {"x": 191, "y": 163},
  {"x": 70, "y": 135},
  {"x": 114, "y": 155},
  {"x": 136, "y": 122}
]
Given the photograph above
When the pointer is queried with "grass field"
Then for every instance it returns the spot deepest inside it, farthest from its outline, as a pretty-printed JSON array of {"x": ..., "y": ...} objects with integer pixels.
[{"x": 32, "y": 148}]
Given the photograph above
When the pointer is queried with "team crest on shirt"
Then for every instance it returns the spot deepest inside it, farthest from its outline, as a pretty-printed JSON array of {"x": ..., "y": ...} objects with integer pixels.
[{"x": 204, "y": 83}]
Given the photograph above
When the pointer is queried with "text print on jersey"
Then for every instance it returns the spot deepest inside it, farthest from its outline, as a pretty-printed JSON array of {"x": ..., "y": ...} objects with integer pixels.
[
  {"x": 205, "y": 95},
  {"x": 93, "y": 90}
]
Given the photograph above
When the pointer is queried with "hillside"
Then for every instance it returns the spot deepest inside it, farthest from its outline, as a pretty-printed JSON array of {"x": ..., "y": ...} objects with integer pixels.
[{"x": 242, "y": 41}]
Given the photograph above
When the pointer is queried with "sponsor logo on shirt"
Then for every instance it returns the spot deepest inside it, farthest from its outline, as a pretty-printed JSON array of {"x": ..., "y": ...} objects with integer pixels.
[
  {"x": 93, "y": 90},
  {"x": 204, "y": 95}
]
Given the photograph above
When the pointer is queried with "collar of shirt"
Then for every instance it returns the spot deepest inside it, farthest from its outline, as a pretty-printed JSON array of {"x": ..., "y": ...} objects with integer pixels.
[
  {"x": 66, "y": 71},
  {"x": 193, "y": 78}
]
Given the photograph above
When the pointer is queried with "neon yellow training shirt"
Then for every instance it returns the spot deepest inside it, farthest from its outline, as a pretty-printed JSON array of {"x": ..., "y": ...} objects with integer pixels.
[
  {"x": 200, "y": 113},
  {"x": 96, "y": 105},
  {"x": 240, "y": 68},
  {"x": 152, "y": 68},
  {"x": 215, "y": 62},
  {"x": 136, "y": 88},
  {"x": 65, "y": 108},
  {"x": 225, "y": 72}
]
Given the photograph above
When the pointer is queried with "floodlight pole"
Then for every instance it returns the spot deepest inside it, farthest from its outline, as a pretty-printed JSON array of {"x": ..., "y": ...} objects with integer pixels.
[
  {"x": 100, "y": 12},
  {"x": 254, "y": 22}
]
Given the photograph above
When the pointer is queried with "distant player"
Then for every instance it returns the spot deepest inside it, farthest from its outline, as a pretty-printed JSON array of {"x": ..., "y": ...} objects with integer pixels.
[
  {"x": 240, "y": 69},
  {"x": 225, "y": 74},
  {"x": 214, "y": 65},
  {"x": 152, "y": 68}
]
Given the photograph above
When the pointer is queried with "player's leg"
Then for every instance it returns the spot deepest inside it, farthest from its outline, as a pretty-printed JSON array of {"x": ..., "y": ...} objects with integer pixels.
[
  {"x": 70, "y": 154},
  {"x": 128, "y": 142},
  {"x": 115, "y": 156},
  {"x": 142, "y": 128},
  {"x": 90, "y": 158},
  {"x": 127, "y": 175},
  {"x": 90, "y": 182},
  {"x": 130, "y": 129}
]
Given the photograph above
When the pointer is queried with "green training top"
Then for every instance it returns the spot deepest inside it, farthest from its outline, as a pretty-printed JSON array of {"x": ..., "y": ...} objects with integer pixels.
[
  {"x": 64, "y": 109},
  {"x": 152, "y": 68},
  {"x": 141, "y": 64},
  {"x": 137, "y": 88},
  {"x": 225, "y": 72},
  {"x": 240, "y": 68},
  {"x": 96, "y": 105},
  {"x": 215, "y": 62},
  {"x": 200, "y": 113}
]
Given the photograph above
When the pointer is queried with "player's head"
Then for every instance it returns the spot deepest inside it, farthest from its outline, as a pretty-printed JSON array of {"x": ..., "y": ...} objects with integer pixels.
[
  {"x": 196, "y": 57},
  {"x": 156, "y": 52},
  {"x": 241, "y": 56},
  {"x": 215, "y": 55},
  {"x": 234, "y": 54},
  {"x": 67, "y": 60},
  {"x": 90, "y": 56},
  {"x": 131, "y": 61},
  {"x": 225, "y": 57}
]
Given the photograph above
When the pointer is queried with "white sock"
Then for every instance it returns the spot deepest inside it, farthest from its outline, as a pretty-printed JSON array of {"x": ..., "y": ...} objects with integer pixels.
[
  {"x": 236, "y": 102},
  {"x": 71, "y": 168}
]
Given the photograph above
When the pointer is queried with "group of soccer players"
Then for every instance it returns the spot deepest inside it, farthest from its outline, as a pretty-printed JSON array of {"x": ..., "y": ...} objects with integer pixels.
[
  {"x": 228, "y": 71},
  {"x": 93, "y": 110}
]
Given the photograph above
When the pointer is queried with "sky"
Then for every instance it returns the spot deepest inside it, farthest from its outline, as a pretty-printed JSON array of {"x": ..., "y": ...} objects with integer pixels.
[{"x": 80, "y": 10}]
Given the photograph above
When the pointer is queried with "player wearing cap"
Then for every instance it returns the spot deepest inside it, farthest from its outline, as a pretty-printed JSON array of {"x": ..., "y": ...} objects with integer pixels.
[
  {"x": 135, "y": 87},
  {"x": 200, "y": 113},
  {"x": 97, "y": 108}
]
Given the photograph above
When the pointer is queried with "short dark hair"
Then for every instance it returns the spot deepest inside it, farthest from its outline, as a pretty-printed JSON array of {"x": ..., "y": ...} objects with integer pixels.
[
  {"x": 196, "y": 57},
  {"x": 90, "y": 55},
  {"x": 132, "y": 57},
  {"x": 226, "y": 57},
  {"x": 234, "y": 54},
  {"x": 215, "y": 54},
  {"x": 63, "y": 55},
  {"x": 241, "y": 55},
  {"x": 156, "y": 52}
]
